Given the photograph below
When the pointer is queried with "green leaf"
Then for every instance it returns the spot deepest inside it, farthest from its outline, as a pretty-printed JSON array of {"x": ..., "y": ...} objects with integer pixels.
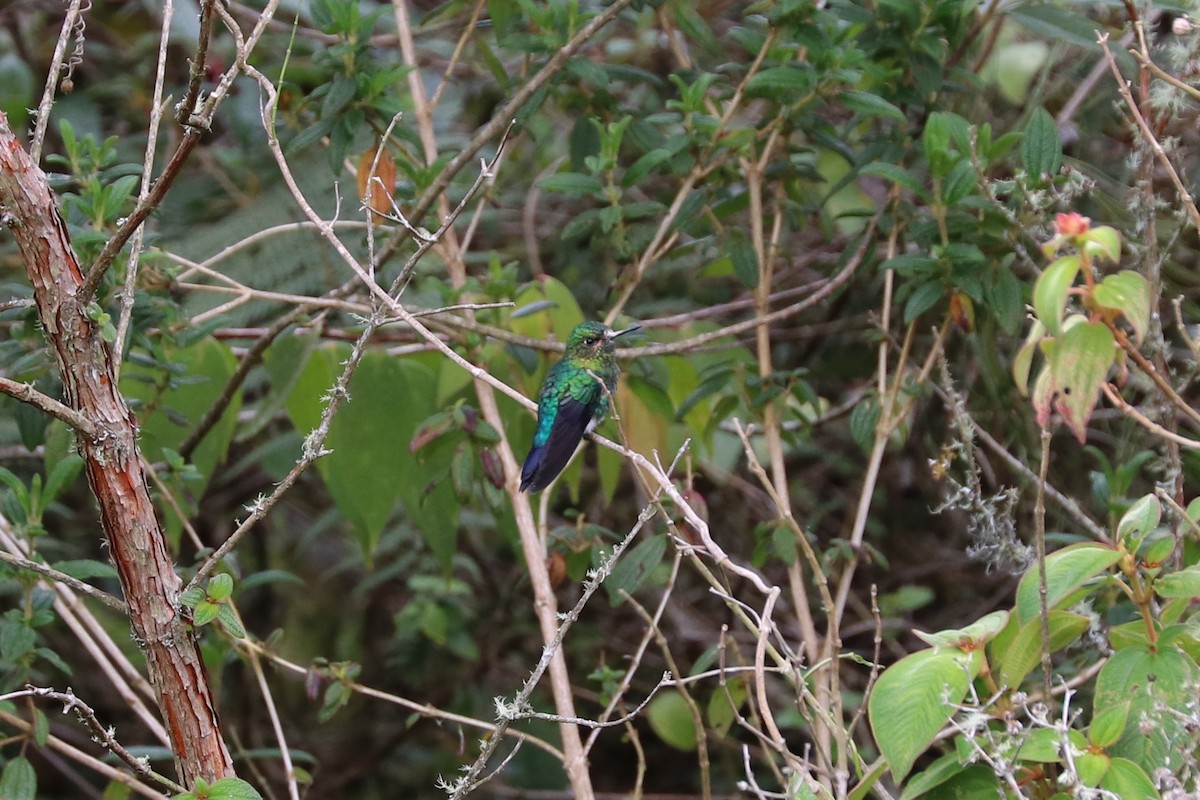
[
  {"x": 745, "y": 260},
  {"x": 634, "y": 567},
  {"x": 671, "y": 719},
  {"x": 1066, "y": 570},
  {"x": 936, "y": 774},
  {"x": 1102, "y": 241},
  {"x": 1184, "y": 583},
  {"x": 778, "y": 79},
  {"x": 41, "y": 727},
  {"x": 370, "y": 467},
  {"x": 1108, "y": 725},
  {"x": 864, "y": 420},
  {"x": 914, "y": 698},
  {"x": 1154, "y": 685},
  {"x": 723, "y": 706},
  {"x": 1018, "y": 656},
  {"x": 571, "y": 183},
  {"x": 205, "y": 612},
  {"x": 959, "y": 182},
  {"x": 1023, "y": 360},
  {"x": 897, "y": 175},
  {"x": 645, "y": 165},
  {"x": 190, "y": 598},
  {"x": 233, "y": 789},
  {"x": 1041, "y": 150},
  {"x": 1079, "y": 365},
  {"x": 923, "y": 298},
  {"x": 1057, "y": 23},
  {"x": 1091, "y": 767},
  {"x": 340, "y": 93},
  {"x": 1126, "y": 779},
  {"x": 220, "y": 587},
  {"x": 230, "y": 622},
  {"x": 1141, "y": 518},
  {"x": 871, "y": 105},
  {"x": 18, "y": 781},
  {"x": 85, "y": 569},
  {"x": 1050, "y": 292},
  {"x": 1129, "y": 293}
]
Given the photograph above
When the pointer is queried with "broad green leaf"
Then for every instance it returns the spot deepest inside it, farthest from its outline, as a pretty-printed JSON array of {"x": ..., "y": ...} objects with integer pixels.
[
  {"x": 1020, "y": 655},
  {"x": 220, "y": 587},
  {"x": 1066, "y": 570},
  {"x": 933, "y": 776},
  {"x": 914, "y": 698},
  {"x": 671, "y": 719},
  {"x": 559, "y": 319},
  {"x": 1041, "y": 149},
  {"x": 971, "y": 637},
  {"x": 1045, "y": 745},
  {"x": 959, "y": 182},
  {"x": 1080, "y": 363},
  {"x": 634, "y": 567},
  {"x": 645, "y": 165},
  {"x": 775, "y": 80},
  {"x": 1103, "y": 241},
  {"x": 370, "y": 467},
  {"x": 1126, "y": 779},
  {"x": 645, "y": 414},
  {"x": 1057, "y": 23},
  {"x": 1091, "y": 767},
  {"x": 204, "y": 613},
  {"x": 722, "y": 706},
  {"x": 1129, "y": 293},
  {"x": 18, "y": 781},
  {"x": 230, "y": 622},
  {"x": 923, "y": 298},
  {"x": 871, "y": 105},
  {"x": 232, "y": 789},
  {"x": 85, "y": 569},
  {"x": 283, "y": 361},
  {"x": 1050, "y": 292},
  {"x": 897, "y": 175},
  {"x": 1141, "y": 518},
  {"x": 1108, "y": 725},
  {"x": 1184, "y": 583},
  {"x": 1155, "y": 685}
]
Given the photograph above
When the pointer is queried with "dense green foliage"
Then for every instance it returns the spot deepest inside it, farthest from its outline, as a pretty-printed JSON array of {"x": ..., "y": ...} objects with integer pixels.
[{"x": 852, "y": 234}]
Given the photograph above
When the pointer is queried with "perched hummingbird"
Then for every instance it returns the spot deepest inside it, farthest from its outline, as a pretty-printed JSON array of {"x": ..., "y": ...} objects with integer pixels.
[{"x": 572, "y": 402}]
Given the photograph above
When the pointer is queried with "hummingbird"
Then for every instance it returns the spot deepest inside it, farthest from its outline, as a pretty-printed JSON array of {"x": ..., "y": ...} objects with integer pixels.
[{"x": 572, "y": 402}]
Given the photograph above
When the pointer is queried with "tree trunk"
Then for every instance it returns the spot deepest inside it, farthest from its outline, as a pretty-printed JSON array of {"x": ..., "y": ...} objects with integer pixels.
[{"x": 113, "y": 465}]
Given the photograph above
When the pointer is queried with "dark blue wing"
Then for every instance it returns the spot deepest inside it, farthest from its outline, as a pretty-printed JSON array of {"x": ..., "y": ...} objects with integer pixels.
[{"x": 544, "y": 462}]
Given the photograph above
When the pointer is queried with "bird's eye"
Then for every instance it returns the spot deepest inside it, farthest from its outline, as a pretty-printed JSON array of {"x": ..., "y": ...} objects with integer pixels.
[{"x": 590, "y": 341}]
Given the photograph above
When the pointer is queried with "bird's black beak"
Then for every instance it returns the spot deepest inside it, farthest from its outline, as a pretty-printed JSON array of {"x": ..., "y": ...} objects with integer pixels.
[{"x": 624, "y": 331}]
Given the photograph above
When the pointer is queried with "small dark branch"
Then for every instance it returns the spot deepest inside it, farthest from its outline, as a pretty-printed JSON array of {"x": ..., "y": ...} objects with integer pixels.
[
  {"x": 114, "y": 603},
  {"x": 159, "y": 188},
  {"x": 251, "y": 358},
  {"x": 104, "y": 735},
  {"x": 27, "y": 394},
  {"x": 196, "y": 74}
]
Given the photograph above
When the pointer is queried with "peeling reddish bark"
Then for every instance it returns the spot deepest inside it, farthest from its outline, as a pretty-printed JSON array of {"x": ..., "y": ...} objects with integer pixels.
[{"x": 113, "y": 466}]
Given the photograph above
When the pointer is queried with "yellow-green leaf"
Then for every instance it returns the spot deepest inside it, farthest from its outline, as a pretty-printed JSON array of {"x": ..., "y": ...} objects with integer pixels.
[
  {"x": 1050, "y": 292},
  {"x": 1129, "y": 293},
  {"x": 1081, "y": 361}
]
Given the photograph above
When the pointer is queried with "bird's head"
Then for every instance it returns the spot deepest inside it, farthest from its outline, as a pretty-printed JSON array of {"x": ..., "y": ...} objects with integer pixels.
[{"x": 590, "y": 339}]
